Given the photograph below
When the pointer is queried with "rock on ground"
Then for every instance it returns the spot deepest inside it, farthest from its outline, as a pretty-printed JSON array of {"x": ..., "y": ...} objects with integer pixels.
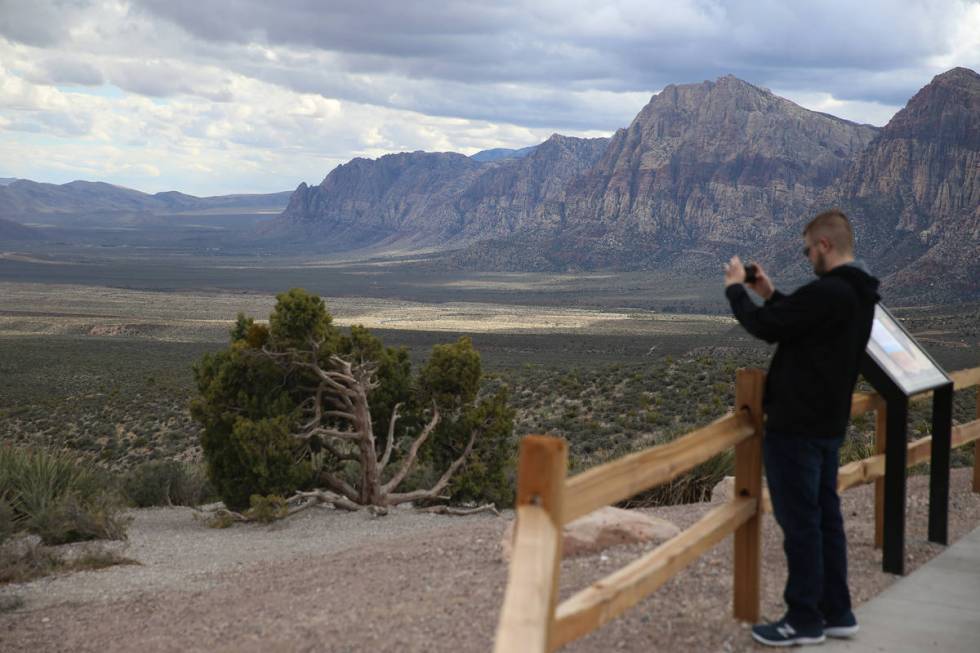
[{"x": 602, "y": 529}]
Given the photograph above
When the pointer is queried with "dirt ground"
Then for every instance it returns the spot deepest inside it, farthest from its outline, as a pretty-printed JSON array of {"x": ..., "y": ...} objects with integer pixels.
[{"x": 343, "y": 583}]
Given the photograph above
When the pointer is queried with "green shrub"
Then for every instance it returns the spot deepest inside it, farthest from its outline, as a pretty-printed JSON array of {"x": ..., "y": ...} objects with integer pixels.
[
  {"x": 58, "y": 497},
  {"x": 451, "y": 378},
  {"x": 246, "y": 417},
  {"x": 267, "y": 509},
  {"x": 167, "y": 483},
  {"x": 488, "y": 475}
]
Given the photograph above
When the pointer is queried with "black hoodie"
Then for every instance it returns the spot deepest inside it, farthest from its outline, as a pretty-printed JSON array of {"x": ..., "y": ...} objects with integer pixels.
[{"x": 822, "y": 330}]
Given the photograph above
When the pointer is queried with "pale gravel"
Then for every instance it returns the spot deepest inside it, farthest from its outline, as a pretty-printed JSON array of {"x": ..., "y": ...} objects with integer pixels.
[{"x": 339, "y": 582}]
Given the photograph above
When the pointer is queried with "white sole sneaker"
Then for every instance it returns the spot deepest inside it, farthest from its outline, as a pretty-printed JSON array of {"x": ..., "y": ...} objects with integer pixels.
[
  {"x": 841, "y": 632},
  {"x": 794, "y": 641}
]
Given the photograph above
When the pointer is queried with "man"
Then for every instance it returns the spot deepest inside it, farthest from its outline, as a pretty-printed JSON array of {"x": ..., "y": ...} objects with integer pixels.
[{"x": 821, "y": 331}]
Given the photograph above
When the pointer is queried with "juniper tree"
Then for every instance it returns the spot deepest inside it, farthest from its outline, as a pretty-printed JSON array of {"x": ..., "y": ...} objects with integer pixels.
[{"x": 300, "y": 407}]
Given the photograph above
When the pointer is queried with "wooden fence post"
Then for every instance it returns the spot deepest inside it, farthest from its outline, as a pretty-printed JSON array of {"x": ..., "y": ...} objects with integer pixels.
[
  {"x": 749, "y": 388},
  {"x": 528, "y": 616},
  {"x": 881, "y": 428}
]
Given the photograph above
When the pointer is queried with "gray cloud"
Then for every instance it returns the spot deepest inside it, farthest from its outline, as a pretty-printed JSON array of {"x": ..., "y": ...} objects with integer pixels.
[
  {"x": 39, "y": 23},
  {"x": 71, "y": 71},
  {"x": 166, "y": 78},
  {"x": 624, "y": 46},
  {"x": 192, "y": 87}
]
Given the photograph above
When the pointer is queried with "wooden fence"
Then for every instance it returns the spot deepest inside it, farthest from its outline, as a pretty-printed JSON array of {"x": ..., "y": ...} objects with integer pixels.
[{"x": 532, "y": 621}]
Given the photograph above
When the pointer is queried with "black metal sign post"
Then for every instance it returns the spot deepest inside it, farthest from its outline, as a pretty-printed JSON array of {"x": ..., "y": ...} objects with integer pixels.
[
  {"x": 898, "y": 368},
  {"x": 896, "y": 455},
  {"x": 942, "y": 433}
]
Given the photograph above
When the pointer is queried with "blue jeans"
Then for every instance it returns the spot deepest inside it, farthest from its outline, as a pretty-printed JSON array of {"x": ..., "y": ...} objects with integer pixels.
[{"x": 802, "y": 477}]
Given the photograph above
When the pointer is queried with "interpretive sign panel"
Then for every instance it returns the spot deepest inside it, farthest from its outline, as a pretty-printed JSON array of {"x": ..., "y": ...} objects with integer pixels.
[{"x": 901, "y": 357}]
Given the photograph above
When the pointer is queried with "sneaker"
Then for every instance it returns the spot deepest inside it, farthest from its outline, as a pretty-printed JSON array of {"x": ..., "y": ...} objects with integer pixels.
[
  {"x": 782, "y": 633},
  {"x": 846, "y": 626}
]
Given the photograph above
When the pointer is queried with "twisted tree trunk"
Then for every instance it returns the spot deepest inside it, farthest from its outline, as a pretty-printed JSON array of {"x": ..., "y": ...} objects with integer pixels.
[{"x": 341, "y": 396}]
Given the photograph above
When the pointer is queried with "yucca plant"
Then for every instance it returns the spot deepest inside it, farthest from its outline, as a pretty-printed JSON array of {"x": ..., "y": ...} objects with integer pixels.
[{"x": 56, "y": 496}]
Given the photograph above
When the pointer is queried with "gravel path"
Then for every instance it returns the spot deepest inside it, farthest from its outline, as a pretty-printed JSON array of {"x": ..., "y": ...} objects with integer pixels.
[
  {"x": 176, "y": 550},
  {"x": 340, "y": 582}
]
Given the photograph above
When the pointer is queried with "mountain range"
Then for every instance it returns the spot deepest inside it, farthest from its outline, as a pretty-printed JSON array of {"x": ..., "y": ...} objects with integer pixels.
[
  {"x": 703, "y": 171},
  {"x": 80, "y": 202}
]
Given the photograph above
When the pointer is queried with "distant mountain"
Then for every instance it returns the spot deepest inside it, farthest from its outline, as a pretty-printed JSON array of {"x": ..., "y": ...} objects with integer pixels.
[
  {"x": 436, "y": 199},
  {"x": 366, "y": 201},
  {"x": 704, "y": 168},
  {"x": 4, "y": 181},
  {"x": 22, "y": 198},
  {"x": 498, "y": 153},
  {"x": 703, "y": 171}
]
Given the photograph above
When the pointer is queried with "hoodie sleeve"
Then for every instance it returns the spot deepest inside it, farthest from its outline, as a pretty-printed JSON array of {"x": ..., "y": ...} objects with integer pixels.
[{"x": 783, "y": 317}]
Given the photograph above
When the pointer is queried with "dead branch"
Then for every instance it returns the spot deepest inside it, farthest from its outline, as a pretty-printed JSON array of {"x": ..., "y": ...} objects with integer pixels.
[
  {"x": 413, "y": 452},
  {"x": 450, "y": 510},
  {"x": 390, "y": 444},
  {"x": 340, "y": 399},
  {"x": 315, "y": 497},
  {"x": 339, "y": 486},
  {"x": 434, "y": 491}
]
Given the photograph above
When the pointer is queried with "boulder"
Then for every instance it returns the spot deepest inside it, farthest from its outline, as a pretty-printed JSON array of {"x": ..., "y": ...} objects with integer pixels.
[
  {"x": 602, "y": 529},
  {"x": 723, "y": 490}
]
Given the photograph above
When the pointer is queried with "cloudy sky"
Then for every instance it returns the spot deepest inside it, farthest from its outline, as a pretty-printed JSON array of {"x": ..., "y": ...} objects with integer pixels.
[{"x": 226, "y": 96}]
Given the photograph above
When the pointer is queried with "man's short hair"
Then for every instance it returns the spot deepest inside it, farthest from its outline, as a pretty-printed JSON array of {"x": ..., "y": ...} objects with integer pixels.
[{"x": 835, "y": 227}]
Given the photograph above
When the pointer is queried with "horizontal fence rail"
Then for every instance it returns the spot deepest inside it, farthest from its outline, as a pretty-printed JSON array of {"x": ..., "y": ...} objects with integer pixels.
[
  {"x": 608, "y": 598},
  {"x": 532, "y": 621},
  {"x": 626, "y": 477}
]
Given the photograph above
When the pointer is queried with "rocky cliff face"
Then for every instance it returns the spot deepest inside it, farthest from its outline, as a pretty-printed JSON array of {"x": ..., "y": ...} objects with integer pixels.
[
  {"x": 915, "y": 190},
  {"x": 528, "y": 194},
  {"x": 719, "y": 162},
  {"x": 437, "y": 199},
  {"x": 703, "y": 169},
  {"x": 367, "y": 201}
]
